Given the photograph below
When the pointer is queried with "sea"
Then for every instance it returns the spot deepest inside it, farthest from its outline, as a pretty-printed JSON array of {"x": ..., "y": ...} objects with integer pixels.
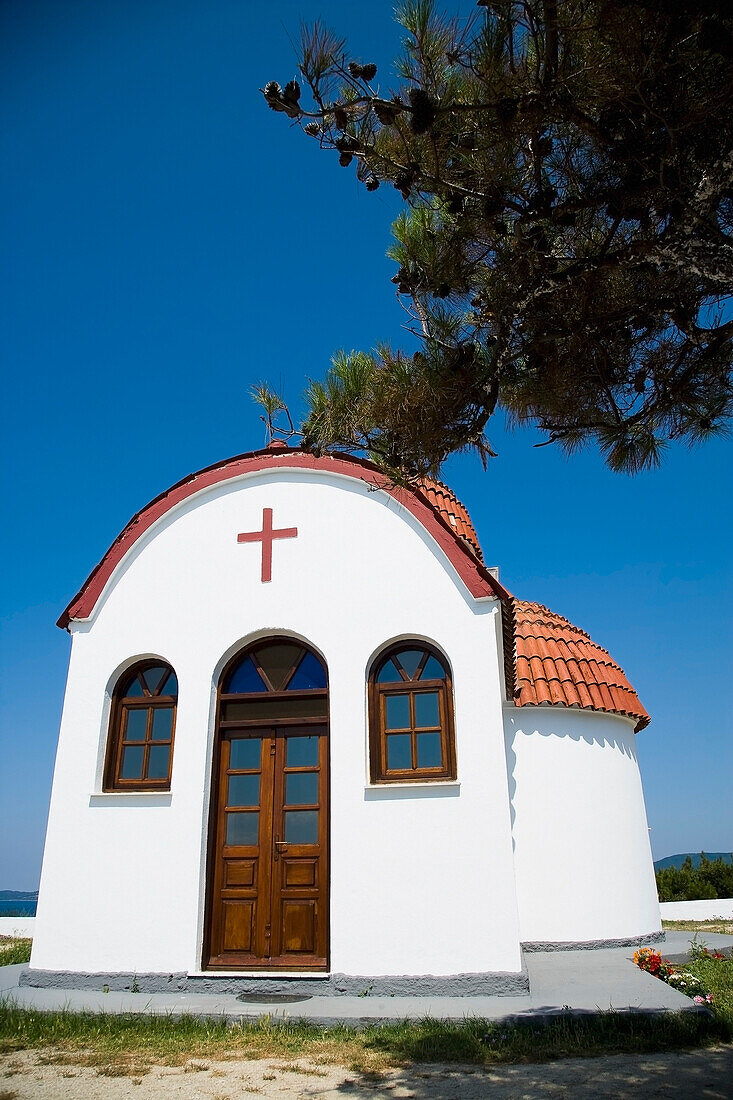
[{"x": 14, "y": 903}]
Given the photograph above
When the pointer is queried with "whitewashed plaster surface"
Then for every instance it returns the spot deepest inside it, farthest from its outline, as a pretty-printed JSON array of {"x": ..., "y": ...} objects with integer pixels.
[
  {"x": 709, "y": 909},
  {"x": 582, "y": 855},
  {"x": 422, "y": 878}
]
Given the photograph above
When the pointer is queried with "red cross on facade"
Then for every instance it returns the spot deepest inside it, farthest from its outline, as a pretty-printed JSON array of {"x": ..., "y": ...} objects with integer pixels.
[{"x": 267, "y": 536}]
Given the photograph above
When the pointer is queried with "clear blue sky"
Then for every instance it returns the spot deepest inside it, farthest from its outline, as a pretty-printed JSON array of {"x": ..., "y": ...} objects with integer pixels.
[{"x": 168, "y": 241}]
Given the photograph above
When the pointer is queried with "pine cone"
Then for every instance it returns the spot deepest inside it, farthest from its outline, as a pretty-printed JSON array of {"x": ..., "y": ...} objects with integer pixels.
[
  {"x": 312, "y": 129},
  {"x": 345, "y": 160},
  {"x": 272, "y": 90},
  {"x": 340, "y": 118},
  {"x": 291, "y": 91},
  {"x": 372, "y": 183},
  {"x": 424, "y": 110},
  {"x": 386, "y": 114},
  {"x": 368, "y": 72}
]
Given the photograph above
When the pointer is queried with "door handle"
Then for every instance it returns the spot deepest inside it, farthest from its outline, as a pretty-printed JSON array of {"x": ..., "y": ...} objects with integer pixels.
[{"x": 280, "y": 846}]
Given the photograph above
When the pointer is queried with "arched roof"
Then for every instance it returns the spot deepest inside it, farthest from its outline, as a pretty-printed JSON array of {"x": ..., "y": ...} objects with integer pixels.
[
  {"x": 547, "y": 659},
  {"x": 430, "y": 504}
]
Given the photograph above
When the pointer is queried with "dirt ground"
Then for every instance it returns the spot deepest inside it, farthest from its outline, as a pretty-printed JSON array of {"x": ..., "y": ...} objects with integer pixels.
[{"x": 32, "y": 1075}]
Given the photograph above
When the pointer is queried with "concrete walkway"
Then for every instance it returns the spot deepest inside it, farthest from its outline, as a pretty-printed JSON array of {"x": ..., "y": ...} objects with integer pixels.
[{"x": 582, "y": 981}]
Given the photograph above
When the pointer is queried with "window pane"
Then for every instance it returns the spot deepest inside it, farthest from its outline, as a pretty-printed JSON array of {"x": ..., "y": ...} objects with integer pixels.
[
  {"x": 276, "y": 662},
  {"x": 162, "y": 724},
  {"x": 244, "y": 790},
  {"x": 301, "y": 826},
  {"x": 388, "y": 674},
  {"x": 135, "y": 689},
  {"x": 245, "y": 752},
  {"x": 137, "y": 721},
  {"x": 301, "y": 789},
  {"x": 433, "y": 670},
  {"x": 132, "y": 763},
  {"x": 426, "y": 709},
  {"x": 429, "y": 753},
  {"x": 301, "y": 752},
  {"x": 244, "y": 678},
  {"x": 398, "y": 711},
  {"x": 243, "y": 828},
  {"x": 399, "y": 752},
  {"x": 310, "y": 673},
  {"x": 158, "y": 760},
  {"x": 153, "y": 676},
  {"x": 313, "y": 706},
  {"x": 410, "y": 659},
  {"x": 170, "y": 687}
]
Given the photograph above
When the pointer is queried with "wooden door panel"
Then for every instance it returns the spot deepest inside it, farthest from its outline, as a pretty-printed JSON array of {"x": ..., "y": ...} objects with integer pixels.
[
  {"x": 238, "y": 921},
  {"x": 298, "y": 872},
  {"x": 299, "y": 933},
  {"x": 240, "y": 872}
]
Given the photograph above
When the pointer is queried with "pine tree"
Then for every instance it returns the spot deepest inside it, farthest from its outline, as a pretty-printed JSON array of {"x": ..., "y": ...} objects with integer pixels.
[{"x": 565, "y": 251}]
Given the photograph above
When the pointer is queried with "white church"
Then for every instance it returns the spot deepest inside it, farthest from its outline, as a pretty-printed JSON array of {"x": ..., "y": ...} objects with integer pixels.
[{"x": 309, "y": 742}]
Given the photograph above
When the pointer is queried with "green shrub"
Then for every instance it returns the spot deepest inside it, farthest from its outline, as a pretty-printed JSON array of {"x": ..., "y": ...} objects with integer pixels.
[{"x": 712, "y": 879}]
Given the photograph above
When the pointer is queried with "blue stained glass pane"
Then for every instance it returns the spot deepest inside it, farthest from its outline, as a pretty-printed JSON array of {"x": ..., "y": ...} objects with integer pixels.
[
  {"x": 310, "y": 673},
  {"x": 301, "y": 826},
  {"x": 410, "y": 659},
  {"x": 426, "y": 709},
  {"x": 388, "y": 674},
  {"x": 399, "y": 752},
  {"x": 302, "y": 752},
  {"x": 244, "y": 678},
  {"x": 433, "y": 670},
  {"x": 132, "y": 763},
  {"x": 162, "y": 723},
  {"x": 398, "y": 712},
  {"x": 170, "y": 687},
  {"x": 153, "y": 676},
  {"x": 137, "y": 721},
  {"x": 158, "y": 760},
  {"x": 245, "y": 753},
  {"x": 301, "y": 789},
  {"x": 429, "y": 753},
  {"x": 243, "y": 828},
  {"x": 135, "y": 689},
  {"x": 244, "y": 790}
]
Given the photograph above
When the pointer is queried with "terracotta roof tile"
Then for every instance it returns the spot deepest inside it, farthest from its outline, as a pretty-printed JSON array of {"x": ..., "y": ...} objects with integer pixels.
[
  {"x": 448, "y": 505},
  {"x": 549, "y": 660}
]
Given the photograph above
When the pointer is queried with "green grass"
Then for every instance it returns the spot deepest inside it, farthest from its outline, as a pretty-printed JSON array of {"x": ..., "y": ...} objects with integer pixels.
[
  {"x": 129, "y": 1044},
  {"x": 14, "y": 951},
  {"x": 717, "y": 977}
]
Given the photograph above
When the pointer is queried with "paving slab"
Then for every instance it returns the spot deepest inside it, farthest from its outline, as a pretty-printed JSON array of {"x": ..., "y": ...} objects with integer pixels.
[{"x": 560, "y": 981}]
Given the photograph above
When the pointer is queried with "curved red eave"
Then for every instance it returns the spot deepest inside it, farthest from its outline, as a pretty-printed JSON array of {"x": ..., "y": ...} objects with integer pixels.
[{"x": 470, "y": 569}]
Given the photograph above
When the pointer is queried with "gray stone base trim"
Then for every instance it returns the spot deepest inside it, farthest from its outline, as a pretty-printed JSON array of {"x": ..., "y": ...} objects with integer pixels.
[
  {"x": 594, "y": 945},
  {"x": 497, "y": 984}
]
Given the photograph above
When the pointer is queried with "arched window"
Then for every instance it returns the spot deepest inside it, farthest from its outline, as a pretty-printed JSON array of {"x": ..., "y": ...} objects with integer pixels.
[
  {"x": 411, "y": 715},
  {"x": 142, "y": 725}
]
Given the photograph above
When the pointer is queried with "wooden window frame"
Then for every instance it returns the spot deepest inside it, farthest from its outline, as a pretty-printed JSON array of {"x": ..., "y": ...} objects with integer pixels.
[
  {"x": 377, "y": 695},
  {"x": 121, "y": 706}
]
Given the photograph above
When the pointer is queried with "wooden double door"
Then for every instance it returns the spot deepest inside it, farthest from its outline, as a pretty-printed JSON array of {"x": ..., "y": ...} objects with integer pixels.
[{"x": 268, "y": 869}]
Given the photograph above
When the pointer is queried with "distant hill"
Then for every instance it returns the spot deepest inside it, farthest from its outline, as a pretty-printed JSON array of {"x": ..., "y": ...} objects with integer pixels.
[
  {"x": 678, "y": 860},
  {"x": 12, "y": 895}
]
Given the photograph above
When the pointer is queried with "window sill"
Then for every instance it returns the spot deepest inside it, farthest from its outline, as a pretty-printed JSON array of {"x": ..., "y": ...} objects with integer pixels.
[
  {"x": 416, "y": 788},
  {"x": 130, "y": 798}
]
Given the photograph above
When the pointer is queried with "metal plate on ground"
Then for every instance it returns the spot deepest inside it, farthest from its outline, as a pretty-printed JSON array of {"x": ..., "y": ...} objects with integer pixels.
[{"x": 272, "y": 998}]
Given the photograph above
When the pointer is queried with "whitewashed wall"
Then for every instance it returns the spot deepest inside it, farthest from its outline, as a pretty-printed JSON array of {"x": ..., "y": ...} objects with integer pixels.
[
  {"x": 718, "y": 908},
  {"x": 17, "y": 926},
  {"x": 422, "y": 878},
  {"x": 582, "y": 855}
]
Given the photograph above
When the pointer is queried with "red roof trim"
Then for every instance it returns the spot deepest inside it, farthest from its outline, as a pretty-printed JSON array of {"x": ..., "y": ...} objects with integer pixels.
[{"x": 474, "y": 575}]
